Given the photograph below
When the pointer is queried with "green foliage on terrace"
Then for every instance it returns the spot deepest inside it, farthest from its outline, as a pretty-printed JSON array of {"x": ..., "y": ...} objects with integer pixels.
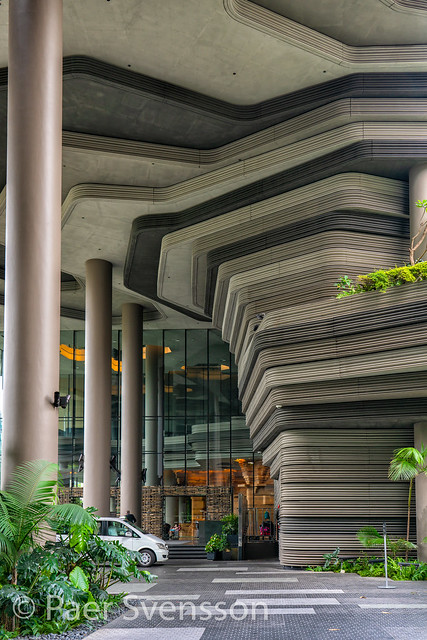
[{"x": 382, "y": 279}]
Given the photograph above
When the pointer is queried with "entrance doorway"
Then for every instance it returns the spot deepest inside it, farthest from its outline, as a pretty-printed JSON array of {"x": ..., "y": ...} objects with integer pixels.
[{"x": 184, "y": 514}]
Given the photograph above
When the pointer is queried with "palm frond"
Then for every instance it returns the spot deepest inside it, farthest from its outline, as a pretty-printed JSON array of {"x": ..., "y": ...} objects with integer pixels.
[
  {"x": 72, "y": 514},
  {"x": 369, "y": 537},
  {"x": 402, "y": 469},
  {"x": 406, "y": 544},
  {"x": 7, "y": 548},
  {"x": 34, "y": 482},
  {"x": 411, "y": 454}
]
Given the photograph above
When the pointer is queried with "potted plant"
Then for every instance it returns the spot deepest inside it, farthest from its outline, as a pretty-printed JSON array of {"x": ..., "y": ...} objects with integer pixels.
[
  {"x": 215, "y": 546},
  {"x": 230, "y": 527}
]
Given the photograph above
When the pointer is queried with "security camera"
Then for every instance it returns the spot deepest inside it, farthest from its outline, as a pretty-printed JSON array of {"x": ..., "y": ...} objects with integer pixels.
[
  {"x": 64, "y": 400},
  {"x": 60, "y": 401}
]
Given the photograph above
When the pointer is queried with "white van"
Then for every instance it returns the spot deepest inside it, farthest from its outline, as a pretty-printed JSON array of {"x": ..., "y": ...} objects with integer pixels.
[{"x": 151, "y": 548}]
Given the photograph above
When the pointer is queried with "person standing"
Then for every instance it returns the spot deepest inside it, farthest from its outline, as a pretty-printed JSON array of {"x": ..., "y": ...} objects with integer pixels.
[{"x": 130, "y": 517}]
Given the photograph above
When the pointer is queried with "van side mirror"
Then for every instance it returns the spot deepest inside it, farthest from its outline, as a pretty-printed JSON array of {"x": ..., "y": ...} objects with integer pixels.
[{"x": 128, "y": 534}]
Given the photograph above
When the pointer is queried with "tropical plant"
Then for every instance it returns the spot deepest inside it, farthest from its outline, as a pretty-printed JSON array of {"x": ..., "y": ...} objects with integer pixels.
[
  {"x": 370, "y": 537},
  {"x": 75, "y": 571},
  {"x": 29, "y": 510},
  {"x": 331, "y": 559},
  {"x": 408, "y": 463},
  {"x": 230, "y": 524},
  {"x": 216, "y": 543}
]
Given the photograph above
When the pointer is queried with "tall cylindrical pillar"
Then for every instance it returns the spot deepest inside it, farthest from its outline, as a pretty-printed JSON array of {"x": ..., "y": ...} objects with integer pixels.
[
  {"x": 33, "y": 233},
  {"x": 152, "y": 361},
  {"x": 171, "y": 510},
  {"x": 417, "y": 191},
  {"x": 97, "y": 414},
  {"x": 131, "y": 442},
  {"x": 420, "y": 440}
]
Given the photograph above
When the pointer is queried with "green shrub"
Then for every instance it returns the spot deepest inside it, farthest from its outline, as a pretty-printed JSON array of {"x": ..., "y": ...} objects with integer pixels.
[
  {"x": 381, "y": 280},
  {"x": 230, "y": 524},
  {"x": 216, "y": 543},
  {"x": 363, "y": 567}
]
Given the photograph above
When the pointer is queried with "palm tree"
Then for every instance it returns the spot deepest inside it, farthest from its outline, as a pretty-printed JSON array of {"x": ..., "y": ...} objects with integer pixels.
[
  {"x": 29, "y": 511},
  {"x": 407, "y": 464}
]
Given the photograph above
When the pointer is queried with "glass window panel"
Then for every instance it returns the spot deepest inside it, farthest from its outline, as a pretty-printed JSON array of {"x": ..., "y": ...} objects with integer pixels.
[
  {"x": 263, "y": 497},
  {"x": 242, "y": 477},
  {"x": 153, "y": 406},
  {"x": 219, "y": 451},
  {"x": 66, "y": 382},
  {"x": 77, "y": 451},
  {"x": 116, "y": 361},
  {"x": 174, "y": 452},
  {"x": 79, "y": 368},
  {"x": 174, "y": 373},
  {"x": 196, "y": 372},
  {"x": 196, "y": 451},
  {"x": 219, "y": 376}
]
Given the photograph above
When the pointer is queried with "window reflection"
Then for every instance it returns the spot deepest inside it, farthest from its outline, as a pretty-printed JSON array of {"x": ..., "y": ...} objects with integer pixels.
[{"x": 203, "y": 439}]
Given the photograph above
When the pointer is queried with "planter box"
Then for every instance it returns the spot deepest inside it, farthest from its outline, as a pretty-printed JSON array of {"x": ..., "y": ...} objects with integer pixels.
[{"x": 214, "y": 555}]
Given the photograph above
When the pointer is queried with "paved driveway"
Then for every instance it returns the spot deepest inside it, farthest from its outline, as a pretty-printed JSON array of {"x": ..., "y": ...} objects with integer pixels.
[{"x": 262, "y": 601}]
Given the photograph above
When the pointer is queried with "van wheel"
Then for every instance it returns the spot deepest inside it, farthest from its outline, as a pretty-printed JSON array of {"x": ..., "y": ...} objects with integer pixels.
[{"x": 147, "y": 557}]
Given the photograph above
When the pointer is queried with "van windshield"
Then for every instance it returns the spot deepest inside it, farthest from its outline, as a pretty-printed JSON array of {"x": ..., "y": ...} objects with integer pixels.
[{"x": 135, "y": 526}]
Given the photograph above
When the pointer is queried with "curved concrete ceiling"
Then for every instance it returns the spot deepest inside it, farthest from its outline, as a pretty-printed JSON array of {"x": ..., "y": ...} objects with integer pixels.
[
  {"x": 176, "y": 118},
  {"x": 357, "y": 22}
]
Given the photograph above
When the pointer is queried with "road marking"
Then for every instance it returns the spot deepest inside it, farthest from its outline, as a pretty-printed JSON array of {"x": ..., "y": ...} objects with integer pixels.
[
  {"x": 249, "y": 612},
  {"x": 264, "y": 572},
  {"x": 134, "y": 587},
  {"x": 272, "y": 592},
  {"x": 257, "y": 580},
  {"x": 395, "y": 605},
  {"x": 169, "y": 597},
  {"x": 289, "y": 601},
  {"x": 158, "y": 633},
  {"x": 210, "y": 569}
]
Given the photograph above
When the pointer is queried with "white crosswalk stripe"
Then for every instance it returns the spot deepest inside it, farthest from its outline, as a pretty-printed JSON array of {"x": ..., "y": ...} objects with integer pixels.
[
  {"x": 255, "y": 580},
  {"x": 272, "y": 592},
  {"x": 289, "y": 601}
]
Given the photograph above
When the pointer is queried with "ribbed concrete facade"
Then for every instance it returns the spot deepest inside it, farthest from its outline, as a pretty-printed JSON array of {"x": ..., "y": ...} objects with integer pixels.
[{"x": 232, "y": 186}]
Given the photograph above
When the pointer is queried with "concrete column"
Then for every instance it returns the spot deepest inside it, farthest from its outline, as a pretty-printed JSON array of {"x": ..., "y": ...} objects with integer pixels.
[
  {"x": 169, "y": 478},
  {"x": 420, "y": 439},
  {"x": 131, "y": 443},
  {"x": 97, "y": 418},
  {"x": 417, "y": 191},
  {"x": 33, "y": 233},
  {"x": 171, "y": 510},
  {"x": 152, "y": 360}
]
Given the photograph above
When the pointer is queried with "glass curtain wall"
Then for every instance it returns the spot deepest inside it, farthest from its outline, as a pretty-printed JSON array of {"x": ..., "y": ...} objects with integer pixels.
[{"x": 202, "y": 435}]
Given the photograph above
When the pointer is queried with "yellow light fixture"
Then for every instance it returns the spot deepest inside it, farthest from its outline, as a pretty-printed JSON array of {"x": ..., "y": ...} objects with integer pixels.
[
  {"x": 72, "y": 354},
  {"x": 79, "y": 355}
]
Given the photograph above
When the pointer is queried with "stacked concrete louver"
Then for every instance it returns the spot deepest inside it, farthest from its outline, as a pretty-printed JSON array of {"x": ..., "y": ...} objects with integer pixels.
[
  {"x": 242, "y": 187},
  {"x": 329, "y": 387}
]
